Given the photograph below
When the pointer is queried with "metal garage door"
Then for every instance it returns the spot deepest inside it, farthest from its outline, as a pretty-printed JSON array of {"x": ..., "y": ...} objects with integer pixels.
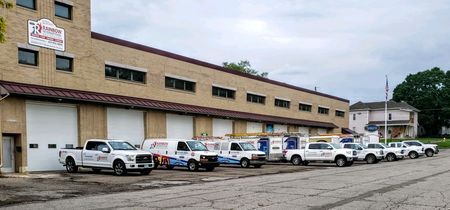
[
  {"x": 125, "y": 124},
  {"x": 277, "y": 128},
  {"x": 222, "y": 127},
  {"x": 179, "y": 126},
  {"x": 49, "y": 127},
  {"x": 254, "y": 127}
]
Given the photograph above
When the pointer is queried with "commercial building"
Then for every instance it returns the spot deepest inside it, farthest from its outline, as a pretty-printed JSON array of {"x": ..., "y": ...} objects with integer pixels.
[
  {"x": 402, "y": 118},
  {"x": 64, "y": 84}
]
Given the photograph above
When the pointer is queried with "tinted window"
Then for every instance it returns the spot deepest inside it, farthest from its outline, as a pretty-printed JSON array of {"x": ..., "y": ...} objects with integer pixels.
[
  {"x": 180, "y": 84},
  {"x": 235, "y": 147},
  {"x": 282, "y": 103},
  {"x": 92, "y": 145},
  {"x": 340, "y": 113},
  {"x": 347, "y": 146},
  {"x": 182, "y": 146},
  {"x": 305, "y": 107},
  {"x": 413, "y": 144},
  {"x": 102, "y": 145},
  {"x": 224, "y": 93},
  {"x": 124, "y": 74},
  {"x": 63, "y": 63},
  {"x": 373, "y": 146},
  {"x": 314, "y": 146},
  {"x": 256, "y": 98},
  {"x": 28, "y": 57},
  {"x": 325, "y": 146},
  {"x": 31, "y": 4},
  {"x": 63, "y": 10},
  {"x": 322, "y": 110}
]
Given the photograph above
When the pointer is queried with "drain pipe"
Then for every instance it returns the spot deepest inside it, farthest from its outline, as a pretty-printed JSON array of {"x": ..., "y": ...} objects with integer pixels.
[{"x": 4, "y": 92}]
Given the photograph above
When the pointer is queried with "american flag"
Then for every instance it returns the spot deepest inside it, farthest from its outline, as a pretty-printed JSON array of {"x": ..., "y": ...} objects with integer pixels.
[{"x": 387, "y": 88}]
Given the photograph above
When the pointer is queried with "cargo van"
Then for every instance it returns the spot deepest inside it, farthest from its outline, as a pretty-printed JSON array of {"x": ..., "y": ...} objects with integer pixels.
[
  {"x": 237, "y": 153},
  {"x": 181, "y": 153}
]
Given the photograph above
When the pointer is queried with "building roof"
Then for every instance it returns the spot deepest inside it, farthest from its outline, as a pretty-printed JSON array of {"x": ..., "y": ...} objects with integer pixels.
[
  {"x": 380, "y": 105},
  {"x": 37, "y": 91},
  {"x": 391, "y": 122},
  {"x": 144, "y": 48}
]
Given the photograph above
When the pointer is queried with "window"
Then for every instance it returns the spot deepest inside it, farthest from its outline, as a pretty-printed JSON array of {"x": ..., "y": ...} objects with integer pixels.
[
  {"x": 64, "y": 63},
  {"x": 180, "y": 84},
  {"x": 314, "y": 146},
  {"x": 28, "y": 57},
  {"x": 34, "y": 146},
  {"x": 305, "y": 107},
  {"x": 96, "y": 145},
  {"x": 182, "y": 146},
  {"x": 322, "y": 110},
  {"x": 52, "y": 146},
  {"x": 282, "y": 103},
  {"x": 340, "y": 113},
  {"x": 390, "y": 116},
  {"x": 63, "y": 10},
  {"x": 69, "y": 146},
  {"x": 256, "y": 98},
  {"x": 124, "y": 74},
  {"x": 348, "y": 146},
  {"x": 222, "y": 92},
  {"x": 235, "y": 147},
  {"x": 354, "y": 116},
  {"x": 412, "y": 143},
  {"x": 30, "y": 4}
]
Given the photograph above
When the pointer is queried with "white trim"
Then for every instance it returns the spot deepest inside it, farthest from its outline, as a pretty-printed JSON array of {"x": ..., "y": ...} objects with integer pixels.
[
  {"x": 305, "y": 103},
  {"x": 28, "y": 47},
  {"x": 68, "y": 2},
  {"x": 180, "y": 77},
  {"x": 64, "y": 54},
  {"x": 125, "y": 66},
  {"x": 325, "y": 107},
  {"x": 284, "y": 99},
  {"x": 258, "y": 94},
  {"x": 341, "y": 110},
  {"x": 224, "y": 87}
]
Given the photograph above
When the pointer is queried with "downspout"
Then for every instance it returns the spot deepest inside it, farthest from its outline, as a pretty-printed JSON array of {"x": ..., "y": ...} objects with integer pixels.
[{"x": 3, "y": 95}]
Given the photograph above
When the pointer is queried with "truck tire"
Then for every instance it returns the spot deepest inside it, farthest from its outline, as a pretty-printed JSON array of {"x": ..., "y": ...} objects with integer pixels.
[
  {"x": 341, "y": 161},
  {"x": 413, "y": 155},
  {"x": 210, "y": 168},
  {"x": 96, "y": 170},
  {"x": 119, "y": 168},
  {"x": 245, "y": 163},
  {"x": 305, "y": 163},
  {"x": 296, "y": 160},
  {"x": 371, "y": 159},
  {"x": 71, "y": 166},
  {"x": 429, "y": 153},
  {"x": 192, "y": 165},
  {"x": 349, "y": 163},
  {"x": 390, "y": 157},
  {"x": 146, "y": 171}
]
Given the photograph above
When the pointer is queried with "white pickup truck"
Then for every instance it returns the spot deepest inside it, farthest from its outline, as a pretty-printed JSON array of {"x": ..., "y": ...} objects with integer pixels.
[
  {"x": 321, "y": 152},
  {"x": 411, "y": 150},
  {"x": 430, "y": 149},
  {"x": 390, "y": 153},
  {"x": 99, "y": 154},
  {"x": 371, "y": 156}
]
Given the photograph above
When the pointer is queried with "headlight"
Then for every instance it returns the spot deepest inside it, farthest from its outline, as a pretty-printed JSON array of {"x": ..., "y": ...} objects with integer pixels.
[{"x": 130, "y": 157}]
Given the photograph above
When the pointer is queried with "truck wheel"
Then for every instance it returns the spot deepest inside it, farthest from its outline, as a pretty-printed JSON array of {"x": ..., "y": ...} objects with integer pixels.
[
  {"x": 371, "y": 159},
  {"x": 71, "y": 167},
  {"x": 413, "y": 155},
  {"x": 210, "y": 168},
  {"x": 119, "y": 168},
  {"x": 169, "y": 167},
  {"x": 296, "y": 160},
  {"x": 349, "y": 163},
  {"x": 390, "y": 157},
  {"x": 245, "y": 163},
  {"x": 257, "y": 166},
  {"x": 96, "y": 170},
  {"x": 429, "y": 153},
  {"x": 146, "y": 171},
  {"x": 341, "y": 162},
  {"x": 305, "y": 163},
  {"x": 192, "y": 165}
]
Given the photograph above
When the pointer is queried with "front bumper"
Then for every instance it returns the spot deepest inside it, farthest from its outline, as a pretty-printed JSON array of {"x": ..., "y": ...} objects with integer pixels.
[
  {"x": 208, "y": 164},
  {"x": 257, "y": 162},
  {"x": 138, "y": 166},
  {"x": 437, "y": 151}
]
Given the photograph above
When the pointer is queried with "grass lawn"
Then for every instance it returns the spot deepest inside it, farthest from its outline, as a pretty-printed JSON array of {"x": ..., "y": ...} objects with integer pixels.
[{"x": 441, "y": 142}]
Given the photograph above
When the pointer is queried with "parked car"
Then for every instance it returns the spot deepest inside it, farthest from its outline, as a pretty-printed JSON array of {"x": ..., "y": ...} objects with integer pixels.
[
  {"x": 237, "y": 153},
  {"x": 321, "y": 152},
  {"x": 412, "y": 151},
  {"x": 172, "y": 153},
  {"x": 371, "y": 156},
  {"x": 99, "y": 154},
  {"x": 430, "y": 149},
  {"x": 390, "y": 153}
]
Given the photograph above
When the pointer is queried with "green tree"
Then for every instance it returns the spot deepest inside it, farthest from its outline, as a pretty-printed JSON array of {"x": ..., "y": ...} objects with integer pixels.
[
  {"x": 426, "y": 91},
  {"x": 244, "y": 66},
  {"x": 4, "y": 5}
]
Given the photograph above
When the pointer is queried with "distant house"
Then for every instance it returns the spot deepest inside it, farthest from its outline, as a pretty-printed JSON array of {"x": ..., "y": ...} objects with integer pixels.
[{"x": 402, "y": 118}]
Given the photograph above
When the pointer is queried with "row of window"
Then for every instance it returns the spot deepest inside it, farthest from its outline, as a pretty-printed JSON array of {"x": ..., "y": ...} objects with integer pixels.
[
  {"x": 61, "y": 10},
  {"x": 30, "y": 57},
  {"x": 389, "y": 116}
]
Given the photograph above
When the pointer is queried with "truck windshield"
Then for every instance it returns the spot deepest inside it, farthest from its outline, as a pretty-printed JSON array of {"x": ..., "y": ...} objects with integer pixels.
[
  {"x": 336, "y": 146},
  {"x": 197, "y": 146},
  {"x": 121, "y": 145},
  {"x": 247, "y": 146}
]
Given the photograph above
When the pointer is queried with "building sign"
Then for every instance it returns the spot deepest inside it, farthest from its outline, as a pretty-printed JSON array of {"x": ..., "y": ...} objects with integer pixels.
[
  {"x": 372, "y": 128},
  {"x": 44, "y": 33}
]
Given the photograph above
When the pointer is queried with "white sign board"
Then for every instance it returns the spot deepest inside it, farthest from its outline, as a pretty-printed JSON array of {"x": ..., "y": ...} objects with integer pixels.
[{"x": 44, "y": 33}]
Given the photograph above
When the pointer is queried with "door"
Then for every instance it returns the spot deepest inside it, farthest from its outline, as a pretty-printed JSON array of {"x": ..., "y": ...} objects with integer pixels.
[
  {"x": 254, "y": 127},
  {"x": 8, "y": 155},
  {"x": 222, "y": 127},
  {"x": 291, "y": 143},
  {"x": 179, "y": 126},
  {"x": 277, "y": 128},
  {"x": 235, "y": 153},
  {"x": 263, "y": 146},
  {"x": 182, "y": 154},
  {"x": 126, "y": 125},
  {"x": 312, "y": 152}
]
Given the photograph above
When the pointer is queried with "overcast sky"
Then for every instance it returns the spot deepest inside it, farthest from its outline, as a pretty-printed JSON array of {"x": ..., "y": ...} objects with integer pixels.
[{"x": 345, "y": 48}]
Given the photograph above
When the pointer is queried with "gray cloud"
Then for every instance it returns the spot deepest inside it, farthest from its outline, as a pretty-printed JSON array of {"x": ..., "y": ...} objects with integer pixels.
[{"x": 343, "y": 47}]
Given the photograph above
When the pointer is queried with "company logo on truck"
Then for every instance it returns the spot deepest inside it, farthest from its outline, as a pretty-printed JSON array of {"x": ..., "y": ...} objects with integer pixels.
[{"x": 159, "y": 145}]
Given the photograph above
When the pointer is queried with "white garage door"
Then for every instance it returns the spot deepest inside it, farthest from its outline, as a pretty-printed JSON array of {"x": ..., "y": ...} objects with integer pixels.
[
  {"x": 277, "y": 128},
  {"x": 303, "y": 130},
  {"x": 126, "y": 125},
  {"x": 254, "y": 127},
  {"x": 222, "y": 127},
  {"x": 49, "y": 128},
  {"x": 179, "y": 126}
]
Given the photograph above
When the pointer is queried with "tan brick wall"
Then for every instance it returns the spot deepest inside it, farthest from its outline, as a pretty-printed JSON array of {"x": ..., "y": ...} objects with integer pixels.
[
  {"x": 155, "y": 124},
  {"x": 203, "y": 125},
  {"x": 91, "y": 122},
  {"x": 239, "y": 126}
]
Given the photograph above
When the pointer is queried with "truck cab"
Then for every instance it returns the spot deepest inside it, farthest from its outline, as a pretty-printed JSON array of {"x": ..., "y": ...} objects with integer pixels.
[
  {"x": 412, "y": 151},
  {"x": 430, "y": 149},
  {"x": 322, "y": 152},
  {"x": 390, "y": 153},
  {"x": 371, "y": 156},
  {"x": 237, "y": 153}
]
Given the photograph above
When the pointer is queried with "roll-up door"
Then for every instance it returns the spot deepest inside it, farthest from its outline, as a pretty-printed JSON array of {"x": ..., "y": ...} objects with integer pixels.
[
  {"x": 254, "y": 127},
  {"x": 222, "y": 127},
  {"x": 277, "y": 128},
  {"x": 125, "y": 124},
  {"x": 179, "y": 126}
]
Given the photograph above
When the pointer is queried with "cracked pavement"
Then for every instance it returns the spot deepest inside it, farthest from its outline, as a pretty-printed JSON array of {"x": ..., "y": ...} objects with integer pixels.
[{"x": 422, "y": 183}]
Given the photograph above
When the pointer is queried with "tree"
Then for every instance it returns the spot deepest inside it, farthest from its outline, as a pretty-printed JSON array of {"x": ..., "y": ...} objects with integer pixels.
[
  {"x": 4, "y": 4},
  {"x": 429, "y": 92},
  {"x": 244, "y": 66}
]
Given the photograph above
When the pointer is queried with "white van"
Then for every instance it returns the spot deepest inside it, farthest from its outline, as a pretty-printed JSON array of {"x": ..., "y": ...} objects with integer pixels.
[
  {"x": 181, "y": 152},
  {"x": 237, "y": 153}
]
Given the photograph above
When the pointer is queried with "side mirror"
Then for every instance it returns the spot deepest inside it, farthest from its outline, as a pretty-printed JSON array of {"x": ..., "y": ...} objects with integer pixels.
[
  {"x": 105, "y": 150},
  {"x": 329, "y": 148},
  {"x": 360, "y": 148}
]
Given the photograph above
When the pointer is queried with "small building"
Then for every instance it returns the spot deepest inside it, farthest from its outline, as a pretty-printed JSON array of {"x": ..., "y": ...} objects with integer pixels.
[{"x": 402, "y": 118}]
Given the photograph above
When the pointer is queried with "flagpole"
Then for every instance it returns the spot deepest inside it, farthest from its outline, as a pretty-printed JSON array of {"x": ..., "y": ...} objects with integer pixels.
[{"x": 385, "y": 112}]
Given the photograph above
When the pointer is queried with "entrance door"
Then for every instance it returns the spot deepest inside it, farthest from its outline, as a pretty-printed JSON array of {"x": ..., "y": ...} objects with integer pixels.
[
  {"x": 8, "y": 155},
  {"x": 263, "y": 146}
]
